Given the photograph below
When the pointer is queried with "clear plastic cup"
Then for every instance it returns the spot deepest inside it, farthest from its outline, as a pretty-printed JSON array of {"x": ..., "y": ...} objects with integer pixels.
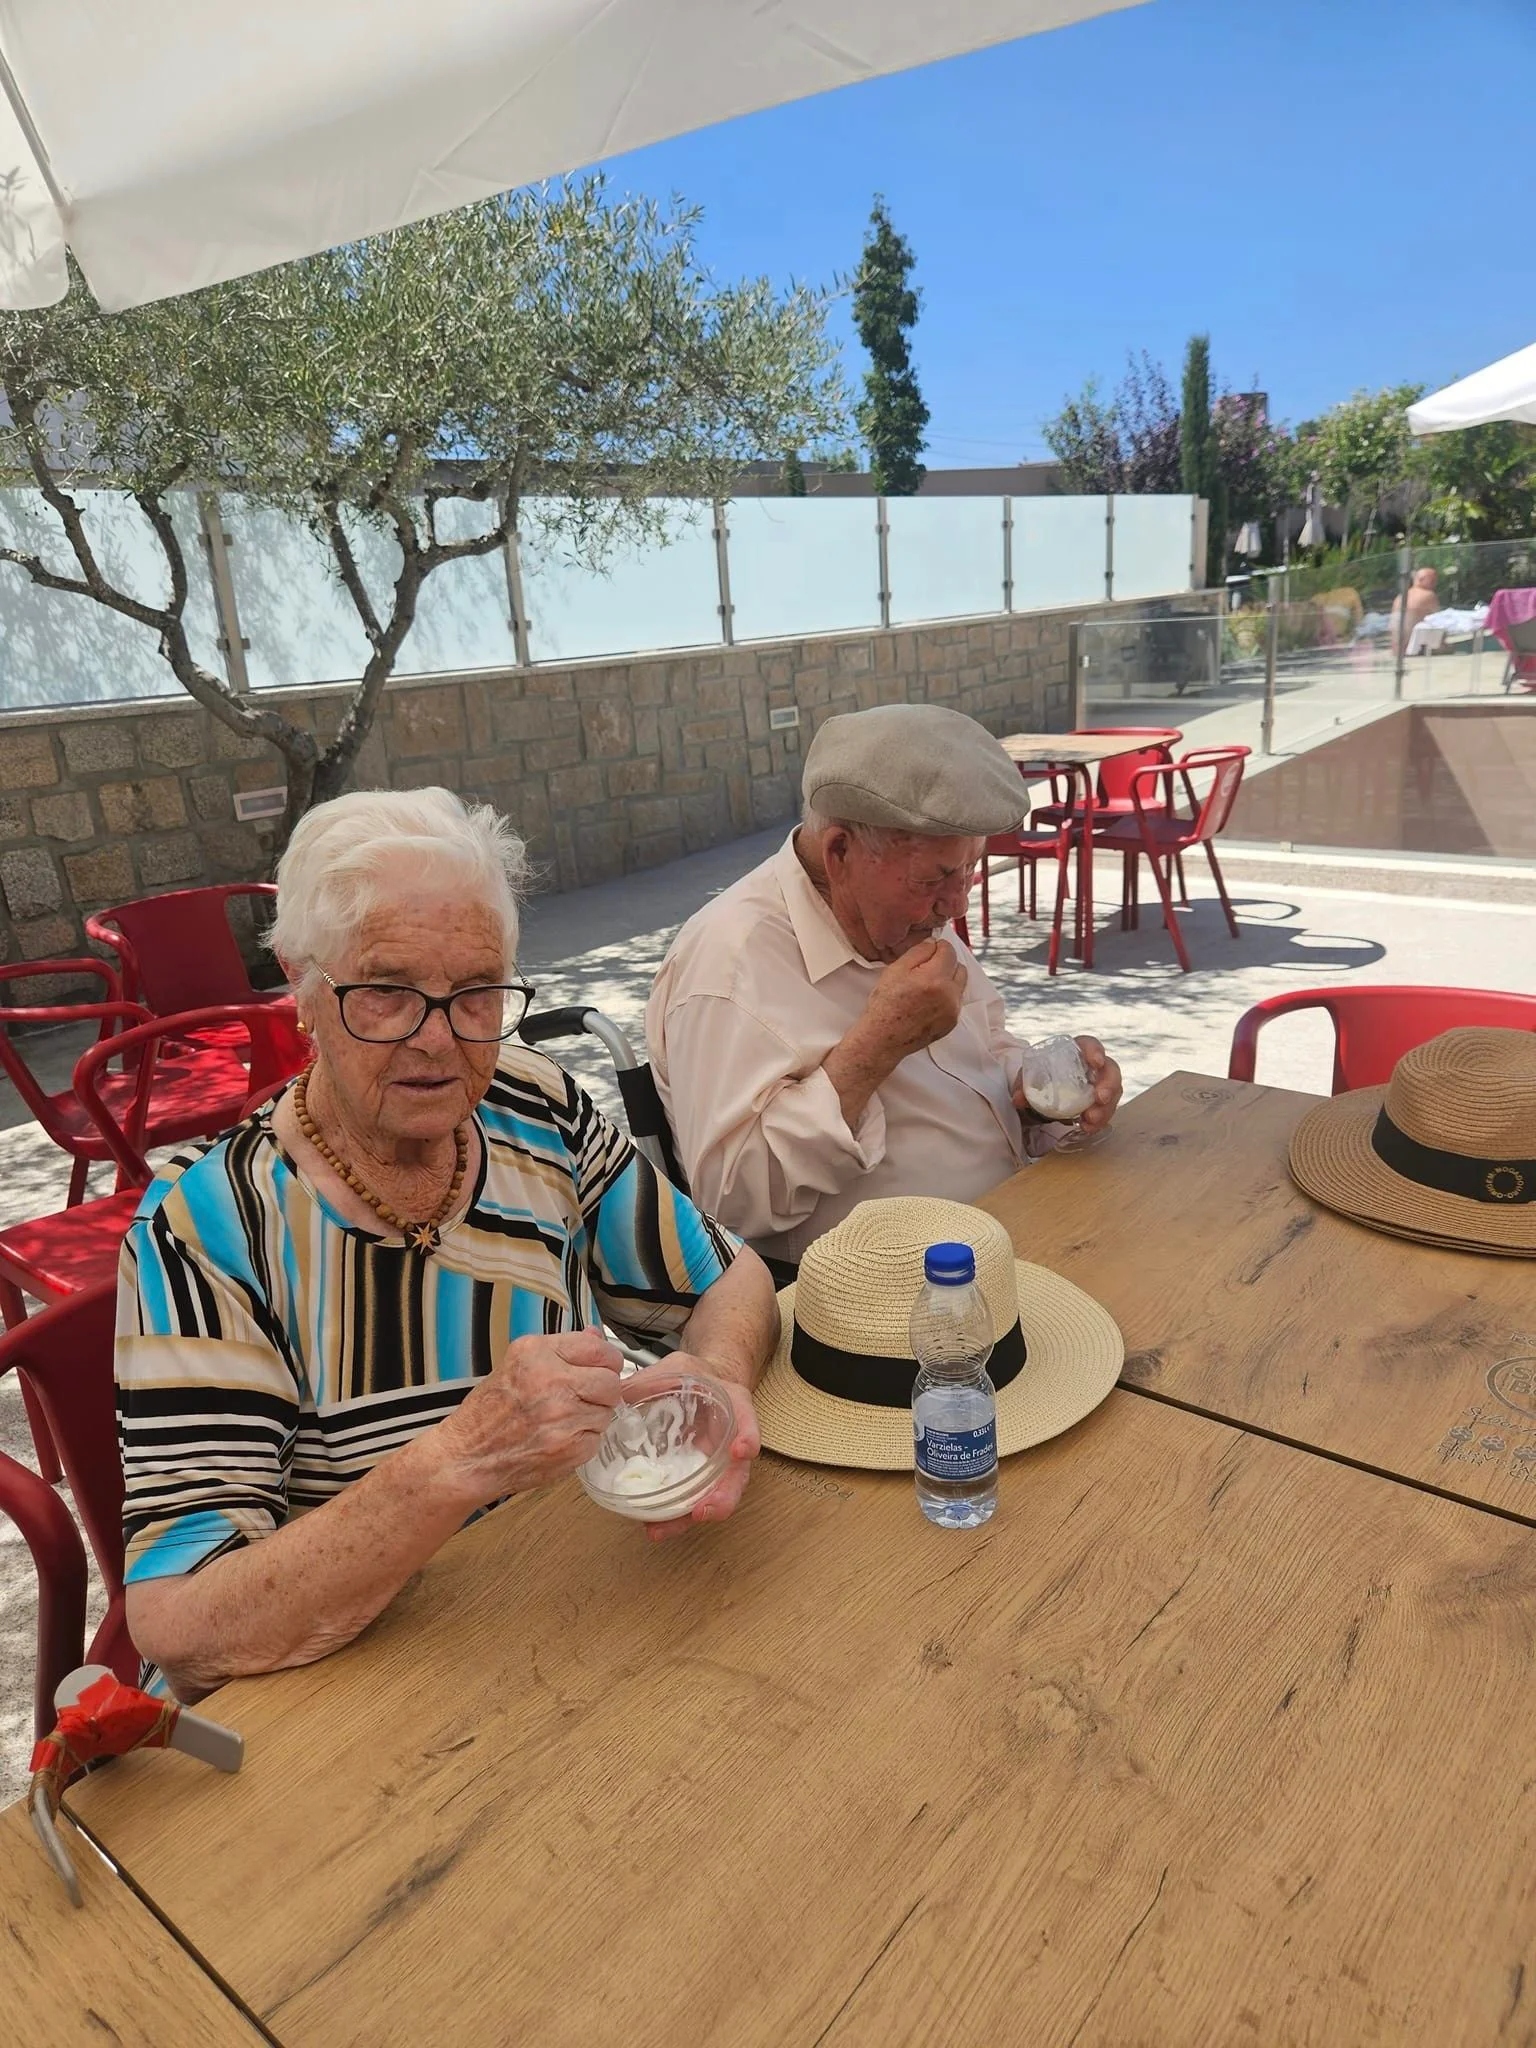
[{"x": 668, "y": 1443}]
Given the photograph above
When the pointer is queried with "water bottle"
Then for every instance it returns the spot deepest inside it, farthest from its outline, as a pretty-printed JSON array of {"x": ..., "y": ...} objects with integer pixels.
[{"x": 954, "y": 1403}]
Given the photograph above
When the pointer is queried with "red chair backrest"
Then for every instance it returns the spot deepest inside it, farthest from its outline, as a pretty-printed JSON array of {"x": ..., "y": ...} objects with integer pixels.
[
  {"x": 178, "y": 950},
  {"x": 65, "y": 1355},
  {"x": 1116, "y": 774},
  {"x": 1215, "y": 808},
  {"x": 1374, "y": 1026},
  {"x": 278, "y": 1051}
]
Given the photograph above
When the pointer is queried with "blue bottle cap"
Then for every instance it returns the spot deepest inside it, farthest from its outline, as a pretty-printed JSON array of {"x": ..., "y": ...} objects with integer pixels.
[{"x": 949, "y": 1265}]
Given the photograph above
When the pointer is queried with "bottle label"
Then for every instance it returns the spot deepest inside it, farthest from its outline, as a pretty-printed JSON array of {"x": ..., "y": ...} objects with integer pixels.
[{"x": 956, "y": 1453}]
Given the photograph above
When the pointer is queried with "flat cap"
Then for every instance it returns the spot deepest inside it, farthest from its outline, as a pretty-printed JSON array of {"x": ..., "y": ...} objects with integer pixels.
[{"x": 917, "y": 768}]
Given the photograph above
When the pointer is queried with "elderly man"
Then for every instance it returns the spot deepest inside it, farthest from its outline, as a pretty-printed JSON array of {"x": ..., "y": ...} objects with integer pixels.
[{"x": 818, "y": 1035}]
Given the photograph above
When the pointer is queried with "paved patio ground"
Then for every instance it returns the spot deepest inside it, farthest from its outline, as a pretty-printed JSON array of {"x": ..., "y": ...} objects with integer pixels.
[{"x": 1304, "y": 919}]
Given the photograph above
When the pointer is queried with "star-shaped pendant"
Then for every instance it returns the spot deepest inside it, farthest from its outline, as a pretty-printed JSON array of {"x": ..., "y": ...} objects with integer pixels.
[{"x": 424, "y": 1237}]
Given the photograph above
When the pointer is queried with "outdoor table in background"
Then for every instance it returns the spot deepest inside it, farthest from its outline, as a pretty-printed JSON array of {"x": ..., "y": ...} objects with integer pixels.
[
  {"x": 1242, "y": 1298},
  {"x": 1202, "y": 1738},
  {"x": 1078, "y": 754},
  {"x": 105, "y": 1971}
]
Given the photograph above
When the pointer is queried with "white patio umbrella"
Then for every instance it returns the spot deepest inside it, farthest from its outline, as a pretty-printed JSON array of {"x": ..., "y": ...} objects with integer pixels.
[
  {"x": 173, "y": 143},
  {"x": 1506, "y": 390}
]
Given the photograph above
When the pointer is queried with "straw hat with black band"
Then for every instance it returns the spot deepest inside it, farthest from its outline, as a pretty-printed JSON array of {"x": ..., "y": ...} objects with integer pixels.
[
  {"x": 1444, "y": 1154},
  {"x": 838, "y": 1390}
]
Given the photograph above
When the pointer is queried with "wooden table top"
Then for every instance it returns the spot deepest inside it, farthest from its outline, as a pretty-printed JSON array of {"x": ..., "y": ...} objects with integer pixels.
[
  {"x": 1200, "y": 1739},
  {"x": 1242, "y": 1297},
  {"x": 103, "y": 1972},
  {"x": 1069, "y": 749}
]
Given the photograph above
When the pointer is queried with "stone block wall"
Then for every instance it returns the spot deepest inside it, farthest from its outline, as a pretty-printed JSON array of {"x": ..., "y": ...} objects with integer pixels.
[{"x": 605, "y": 767}]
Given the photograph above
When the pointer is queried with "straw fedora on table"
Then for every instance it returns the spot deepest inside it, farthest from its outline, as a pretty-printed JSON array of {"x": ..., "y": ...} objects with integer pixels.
[
  {"x": 839, "y": 1388},
  {"x": 1444, "y": 1154}
]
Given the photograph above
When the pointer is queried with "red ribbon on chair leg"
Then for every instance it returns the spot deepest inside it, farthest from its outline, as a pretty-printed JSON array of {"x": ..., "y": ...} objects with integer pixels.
[{"x": 108, "y": 1719}]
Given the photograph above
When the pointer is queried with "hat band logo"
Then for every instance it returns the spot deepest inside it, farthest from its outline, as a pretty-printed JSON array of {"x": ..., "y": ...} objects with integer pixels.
[{"x": 1452, "y": 1173}]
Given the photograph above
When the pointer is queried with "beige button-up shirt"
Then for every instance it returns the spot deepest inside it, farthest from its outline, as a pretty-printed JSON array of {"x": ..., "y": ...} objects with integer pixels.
[{"x": 758, "y": 987}]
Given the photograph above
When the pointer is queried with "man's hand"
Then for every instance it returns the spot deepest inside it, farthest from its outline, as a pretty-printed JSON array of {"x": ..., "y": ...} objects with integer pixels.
[
  {"x": 727, "y": 1490},
  {"x": 534, "y": 1418},
  {"x": 916, "y": 1002},
  {"x": 1108, "y": 1087}
]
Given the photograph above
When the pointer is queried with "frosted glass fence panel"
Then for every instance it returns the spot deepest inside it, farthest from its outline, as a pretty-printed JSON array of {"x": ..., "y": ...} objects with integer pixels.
[
  {"x": 1058, "y": 552},
  {"x": 803, "y": 565},
  {"x": 57, "y": 648},
  {"x": 464, "y": 615},
  {"x": 645, "y": 595},
  {"x": 301, "y": 625},
  {"x": 946, "y": 557},
  {"x": 1152, "y": 544}
]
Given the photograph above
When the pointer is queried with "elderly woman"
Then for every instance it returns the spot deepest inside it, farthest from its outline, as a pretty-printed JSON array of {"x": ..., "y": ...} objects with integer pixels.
[{"x": 374, "y": 1309}]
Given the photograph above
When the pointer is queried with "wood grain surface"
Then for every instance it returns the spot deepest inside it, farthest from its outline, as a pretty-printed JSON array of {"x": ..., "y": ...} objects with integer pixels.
[
  {"x": 1200, "y": 1740},
  {"x": 102, "y": 1973},
  {"x": 1240, "y": 1295}
]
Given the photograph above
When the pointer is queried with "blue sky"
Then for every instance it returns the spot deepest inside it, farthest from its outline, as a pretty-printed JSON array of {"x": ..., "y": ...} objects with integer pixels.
[{"x": 1340, "y": 191}]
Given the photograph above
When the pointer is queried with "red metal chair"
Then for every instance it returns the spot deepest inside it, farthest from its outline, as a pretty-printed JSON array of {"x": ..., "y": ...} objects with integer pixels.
[
  {"x": 1163, "y": 835},
  {"x": 278, "y": 1049},
  {"x": 1029, "y": 848},
  {"x": 77, "y": 1248},
  {"x": 1374, "y": 1026},
  {"x": 178, "y": 951},
  {"x": 199, "y": 1089},
  {"x": 63, "y": 1359},
  {"x": 1112, "y": 792},
  {"x": 62, "y": 1254}
]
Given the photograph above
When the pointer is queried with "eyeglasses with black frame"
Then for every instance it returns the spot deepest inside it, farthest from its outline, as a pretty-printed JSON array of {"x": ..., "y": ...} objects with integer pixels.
[{"x": 388, "y": 1012}]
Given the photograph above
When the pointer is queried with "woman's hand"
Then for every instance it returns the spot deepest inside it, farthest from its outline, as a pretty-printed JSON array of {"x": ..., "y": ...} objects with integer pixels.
[
  {"x": 534, "y": 1418},
  {"x": 727, "y": 1490}
]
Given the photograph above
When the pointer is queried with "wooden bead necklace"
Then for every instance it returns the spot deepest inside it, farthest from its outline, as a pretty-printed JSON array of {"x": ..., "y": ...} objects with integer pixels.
[{"x": 422, "y": 1237}]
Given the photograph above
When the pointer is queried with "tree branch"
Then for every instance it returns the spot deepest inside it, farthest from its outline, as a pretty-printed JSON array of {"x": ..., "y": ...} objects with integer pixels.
[
  {"x": 159, "y": 518},
  {"x": 48, "y": 578},
  {"x": 351, "y": 575}
]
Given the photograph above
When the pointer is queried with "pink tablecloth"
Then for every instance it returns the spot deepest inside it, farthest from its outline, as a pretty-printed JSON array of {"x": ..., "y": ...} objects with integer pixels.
[{"x": 1509, "y": 608}]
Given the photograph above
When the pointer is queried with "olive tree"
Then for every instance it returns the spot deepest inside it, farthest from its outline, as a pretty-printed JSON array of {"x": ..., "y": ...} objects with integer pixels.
[{"x": 554, "y": 343}]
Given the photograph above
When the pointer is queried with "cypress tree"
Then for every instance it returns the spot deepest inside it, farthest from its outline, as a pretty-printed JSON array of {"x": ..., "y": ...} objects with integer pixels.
[
  {"x": 891, "y": 415},
  {"x": 1200, "y": 452}
]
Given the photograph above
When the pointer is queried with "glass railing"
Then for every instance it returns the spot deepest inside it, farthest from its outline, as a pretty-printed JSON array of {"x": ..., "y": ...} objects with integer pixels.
[
  {"x": 1362, "y": 736},
  {"x": 757, "y": 568}
]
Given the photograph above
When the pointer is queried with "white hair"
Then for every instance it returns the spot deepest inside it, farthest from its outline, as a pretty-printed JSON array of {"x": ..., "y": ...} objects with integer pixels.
[
  {"x": 348, "y": 855},
  {"x": 876, "y": 839}
]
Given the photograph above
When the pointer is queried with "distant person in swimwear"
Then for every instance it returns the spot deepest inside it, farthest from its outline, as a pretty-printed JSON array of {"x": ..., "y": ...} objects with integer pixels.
[{"x": 1423, "y": 598}]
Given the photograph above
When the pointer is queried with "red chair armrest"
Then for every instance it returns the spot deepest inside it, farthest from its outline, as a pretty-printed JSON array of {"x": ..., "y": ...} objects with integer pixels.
[{"x": 88, "y": 963}]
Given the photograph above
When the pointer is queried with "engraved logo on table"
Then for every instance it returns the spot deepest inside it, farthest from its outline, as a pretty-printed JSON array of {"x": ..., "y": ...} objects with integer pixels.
[
  {"x": 820, "y": 1485},
  {"x": 1494, "y": 1435}
]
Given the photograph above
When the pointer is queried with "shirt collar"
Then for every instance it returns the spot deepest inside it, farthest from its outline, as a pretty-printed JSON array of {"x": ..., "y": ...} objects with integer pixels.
[{"x": 824, "y": 945}]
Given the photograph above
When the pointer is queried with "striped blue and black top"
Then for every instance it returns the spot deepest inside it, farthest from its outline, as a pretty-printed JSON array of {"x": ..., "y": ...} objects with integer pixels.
[{"x": 269, "y": 1352}]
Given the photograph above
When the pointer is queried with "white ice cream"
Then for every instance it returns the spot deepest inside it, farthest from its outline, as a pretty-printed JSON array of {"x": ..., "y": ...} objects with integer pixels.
[
  {"x": 656, "y": 1449},
  {"x": 1058, "y": 1101},
  {"x": 649, "y": 1471},
  {"x": 1057, "y": 1084}
]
